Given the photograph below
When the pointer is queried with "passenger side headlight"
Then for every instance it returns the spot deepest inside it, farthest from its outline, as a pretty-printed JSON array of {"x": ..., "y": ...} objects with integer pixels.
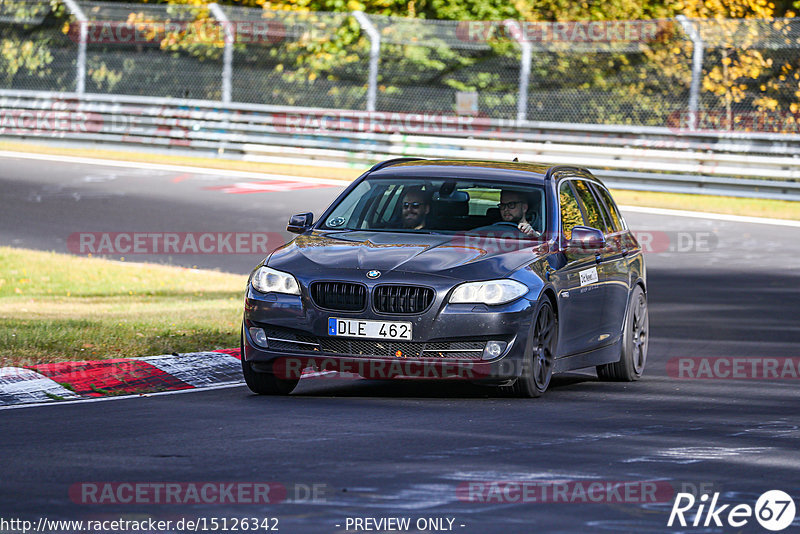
[
  {"x": 489, "y": 292},
  {"x": 268, "y": 280}
]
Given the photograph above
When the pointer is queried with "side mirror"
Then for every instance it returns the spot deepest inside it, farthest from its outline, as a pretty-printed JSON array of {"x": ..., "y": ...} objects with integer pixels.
[
  {"x": 300, "y": 223},
  {"x": 586, "y": 238}
]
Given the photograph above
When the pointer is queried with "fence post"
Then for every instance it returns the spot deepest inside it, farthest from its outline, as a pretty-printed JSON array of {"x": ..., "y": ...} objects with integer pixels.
[
  {"x": 697, "y": 67},
  {"x": 374, "y": 56},
  {"x": 227, "y": 53},
  {"x": 515, "y": 29},
  {"x": 80, "y": 74}
]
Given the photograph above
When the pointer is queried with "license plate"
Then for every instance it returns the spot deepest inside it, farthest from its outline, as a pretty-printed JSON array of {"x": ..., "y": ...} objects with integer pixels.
[{"x": 369, "y": 329}]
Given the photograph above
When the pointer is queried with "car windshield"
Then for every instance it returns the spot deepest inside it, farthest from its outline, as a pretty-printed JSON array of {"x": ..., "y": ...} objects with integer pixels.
[{"x": 441, "y": 206}]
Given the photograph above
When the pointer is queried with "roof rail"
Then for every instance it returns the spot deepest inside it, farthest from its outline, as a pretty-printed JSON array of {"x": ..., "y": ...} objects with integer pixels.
[
  {"x": 390, "y": 162},
  {"x": 556, "y": 168}
]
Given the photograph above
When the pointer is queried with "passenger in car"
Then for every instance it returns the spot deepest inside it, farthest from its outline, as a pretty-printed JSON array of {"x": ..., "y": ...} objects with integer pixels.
[
  {"x": 513, "y": 207},
  {"x": 415, "y": 209}
]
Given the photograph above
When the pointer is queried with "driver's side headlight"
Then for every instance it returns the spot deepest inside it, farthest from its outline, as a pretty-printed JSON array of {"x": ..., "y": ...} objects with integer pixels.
[
  {"x": 488, "y": 292},
  {"x": 268, "y": 280}
]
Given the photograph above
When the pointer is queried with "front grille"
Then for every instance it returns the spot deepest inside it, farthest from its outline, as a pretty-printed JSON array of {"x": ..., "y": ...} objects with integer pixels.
[
  {"x": 458, "y": 350},
  {"x": 402, "y": 299},
  {"x": 287, "y": 339},
  {"x": 343, "y": 296},
  {"x": 359, "y": 347},
  {"x": 292, "y": 340}
]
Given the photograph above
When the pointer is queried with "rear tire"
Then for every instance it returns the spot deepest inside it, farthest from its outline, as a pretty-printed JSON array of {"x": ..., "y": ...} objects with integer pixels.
[
  {"x": 537, "y": 367},
  {"x": 635, "y": 340},
  {"x": 265, "y": 383}
]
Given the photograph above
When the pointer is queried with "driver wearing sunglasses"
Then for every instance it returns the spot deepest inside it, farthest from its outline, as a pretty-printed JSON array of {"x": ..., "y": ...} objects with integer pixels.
[
  {"x": 415, "y": 209},
  {"x": 513, "y": 207}
]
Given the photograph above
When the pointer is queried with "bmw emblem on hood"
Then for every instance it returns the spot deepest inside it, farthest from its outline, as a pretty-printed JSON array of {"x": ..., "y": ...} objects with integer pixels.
[{"x": 373, "y": 274}]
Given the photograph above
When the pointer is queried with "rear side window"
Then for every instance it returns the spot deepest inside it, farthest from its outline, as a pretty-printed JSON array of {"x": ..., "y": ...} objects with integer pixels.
[
  {"x": 594, "y": 216},
  {"x": 613, "y": 212},
  {"x": 570, "y": 210}
]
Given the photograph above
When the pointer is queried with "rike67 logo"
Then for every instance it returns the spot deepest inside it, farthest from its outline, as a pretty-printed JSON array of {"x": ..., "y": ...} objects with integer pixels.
[{"x": 774, "y": 510}]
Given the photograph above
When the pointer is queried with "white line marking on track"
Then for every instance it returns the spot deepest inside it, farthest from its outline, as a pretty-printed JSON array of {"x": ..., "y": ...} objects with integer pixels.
[
  {"x": 343, "y": 183},
  {"x": 174, "y": 168},
  {"x": 715, "y": 216}
]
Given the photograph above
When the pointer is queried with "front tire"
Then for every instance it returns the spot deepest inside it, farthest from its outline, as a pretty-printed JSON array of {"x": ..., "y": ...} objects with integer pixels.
[
  {"x": 537, "y": 367},
  {"x": 635, "y": 339},
  {"x": 265, "y": 383}
]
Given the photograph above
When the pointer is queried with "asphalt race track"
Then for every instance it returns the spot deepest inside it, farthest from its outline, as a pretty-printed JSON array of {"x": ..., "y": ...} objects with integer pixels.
[{"x": 372, "y": 449}]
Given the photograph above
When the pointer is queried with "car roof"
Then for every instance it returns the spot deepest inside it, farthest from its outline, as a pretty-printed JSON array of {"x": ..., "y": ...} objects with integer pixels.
[{"x": 482, "y": 170}]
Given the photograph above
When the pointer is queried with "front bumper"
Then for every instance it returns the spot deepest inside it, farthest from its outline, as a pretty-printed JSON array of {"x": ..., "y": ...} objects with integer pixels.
[{"x": 445, "y": 343}]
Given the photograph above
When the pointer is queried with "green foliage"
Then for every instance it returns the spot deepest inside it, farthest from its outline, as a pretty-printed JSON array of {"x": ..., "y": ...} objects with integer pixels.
[
  {"x": 21, "y": 50},
  {"x": 104, "y": 79},
  {"x": 32, "y": 57},
  {"x": 322, "y": 60}
]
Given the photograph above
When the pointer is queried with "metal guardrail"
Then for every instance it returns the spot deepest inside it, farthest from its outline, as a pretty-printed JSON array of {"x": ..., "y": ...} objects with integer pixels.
[{"x": 757, "y": 165}]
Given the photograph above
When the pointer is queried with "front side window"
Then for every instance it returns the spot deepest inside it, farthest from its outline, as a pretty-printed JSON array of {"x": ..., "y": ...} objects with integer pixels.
[
  {"x": 594, "y": 217},
  {"x": 439, "y": 205},
  {"x": 616, "y": 218},
  {"x": 570, "y": 210}
]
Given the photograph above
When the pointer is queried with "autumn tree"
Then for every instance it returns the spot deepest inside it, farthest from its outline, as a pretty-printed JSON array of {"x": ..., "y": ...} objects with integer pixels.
[{"x": 22, "y": 51}]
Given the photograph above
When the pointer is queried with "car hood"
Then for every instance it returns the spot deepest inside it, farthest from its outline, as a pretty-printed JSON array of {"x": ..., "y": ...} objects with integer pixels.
[{"x": 461, "y": 257}]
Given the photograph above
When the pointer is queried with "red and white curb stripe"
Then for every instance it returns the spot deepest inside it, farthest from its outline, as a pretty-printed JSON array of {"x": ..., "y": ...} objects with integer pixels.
[
  {"x": 53, "y": 382},
  {"x": 72, "y": 381},
  {"x": 23, "y": 386}
]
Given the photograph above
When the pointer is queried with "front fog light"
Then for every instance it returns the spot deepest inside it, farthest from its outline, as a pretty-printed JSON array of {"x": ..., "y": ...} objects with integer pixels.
[
  {"x": 493, "y": 349},
  {"x": 260, "y": 337}
]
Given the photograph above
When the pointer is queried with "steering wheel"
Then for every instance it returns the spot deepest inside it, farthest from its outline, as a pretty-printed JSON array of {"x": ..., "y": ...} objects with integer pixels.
[{"x": 516, "y": 226}]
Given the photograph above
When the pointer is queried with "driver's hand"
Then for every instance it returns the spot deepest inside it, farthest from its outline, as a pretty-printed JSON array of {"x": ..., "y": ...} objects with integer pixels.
[{"x": 527, "y": 229}]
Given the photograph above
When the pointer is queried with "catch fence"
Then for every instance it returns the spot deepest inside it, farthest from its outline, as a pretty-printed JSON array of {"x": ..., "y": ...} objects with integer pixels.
[{"x": 716, "y": 75}]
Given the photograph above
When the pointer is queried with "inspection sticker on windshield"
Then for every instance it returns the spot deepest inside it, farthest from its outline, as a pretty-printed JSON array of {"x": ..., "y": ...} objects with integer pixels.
[
  {"x": 369, "y": 329},
  {"x": 588, "y": 276}
]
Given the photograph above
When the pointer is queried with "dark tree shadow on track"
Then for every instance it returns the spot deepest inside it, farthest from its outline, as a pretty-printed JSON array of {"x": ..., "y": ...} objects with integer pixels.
[{"x": 407, "y": 388}]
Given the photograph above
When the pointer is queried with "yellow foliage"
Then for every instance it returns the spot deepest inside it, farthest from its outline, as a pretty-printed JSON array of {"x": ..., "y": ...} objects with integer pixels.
[
  {"x": 724, "y": 9},
  {"x": 766, "y": 103}
]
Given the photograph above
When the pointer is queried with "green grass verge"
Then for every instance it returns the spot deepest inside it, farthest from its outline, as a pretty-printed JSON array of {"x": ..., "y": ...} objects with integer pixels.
[{"x": 56, "y": 307}]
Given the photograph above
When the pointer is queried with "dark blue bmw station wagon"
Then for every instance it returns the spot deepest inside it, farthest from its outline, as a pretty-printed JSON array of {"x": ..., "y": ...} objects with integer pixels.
[{"x": 498, "y": 273}]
